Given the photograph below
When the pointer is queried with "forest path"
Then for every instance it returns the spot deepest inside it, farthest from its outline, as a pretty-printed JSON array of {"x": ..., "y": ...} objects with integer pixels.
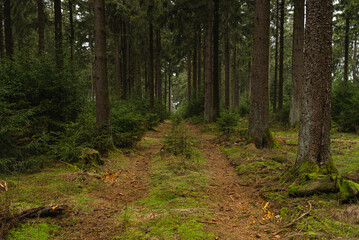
[
  {"x": 139, "y": 201},
  {"x": 240, "y": 213}
]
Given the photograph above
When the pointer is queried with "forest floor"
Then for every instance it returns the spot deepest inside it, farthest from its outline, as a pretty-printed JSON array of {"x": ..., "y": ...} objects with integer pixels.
[{"x": 224, "y": 190}]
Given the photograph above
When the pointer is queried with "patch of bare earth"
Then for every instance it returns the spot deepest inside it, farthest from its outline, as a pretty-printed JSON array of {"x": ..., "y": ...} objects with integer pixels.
[
  {"x": 239, "y": 211},
  {"x": 118, "y": 190}
]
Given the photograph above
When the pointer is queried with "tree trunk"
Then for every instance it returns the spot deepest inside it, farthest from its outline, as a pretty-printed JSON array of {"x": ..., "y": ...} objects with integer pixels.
[
  {"x": 195, "y": 72},
  {"x": 216, "y": 73},
  {"x": 208, "y": 86},
  {"x": 41, "y": 26},
  {"x": 116, "y": 36},
  {"x": 189, "y": 85},
  {"x": 165, "y": 93},
  {"x": 199, "y": 66},
  {"x": 276, "y": 61},
  {"x": 314, "y": 133},
  {"x": 1, "y": 31},
  {"x": 102, "y": 96},
  {"x": 281, "y": 57},
  {"x": 158, "y": 66},
  {"x": 227, "y": 73},
  {"x": 72, "y": 33},
  {"x": 9, "y": 44},
  {"x": 58, "y": 35},
  {"x": 169, "y": 94},
  {"x": 124, "y": 60},
  {"x": 150, "y": 71},
  {"x": 355, "y": 58},
  {"x": 235, "y": 80},
  {"x": 346, "y": 50},
  {"x": 297, "y": 62},
  {"x": 259, "y": 112}
]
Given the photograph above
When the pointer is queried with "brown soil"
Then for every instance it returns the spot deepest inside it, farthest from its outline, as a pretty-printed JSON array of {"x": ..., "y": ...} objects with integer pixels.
[{"x": 240, "y": 213}]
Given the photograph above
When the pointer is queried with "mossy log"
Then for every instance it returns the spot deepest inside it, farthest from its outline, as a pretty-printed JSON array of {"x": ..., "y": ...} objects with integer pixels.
[{"x": 326, "y": 179}]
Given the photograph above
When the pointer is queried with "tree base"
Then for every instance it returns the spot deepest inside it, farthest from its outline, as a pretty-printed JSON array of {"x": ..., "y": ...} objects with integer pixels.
[
  {"x": 326, "y": 179},
  {"x": 268, "y": 141}
]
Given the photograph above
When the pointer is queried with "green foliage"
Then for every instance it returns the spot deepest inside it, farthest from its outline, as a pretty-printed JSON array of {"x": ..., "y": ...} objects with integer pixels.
[
  {"x": 192, "y": 108},
  {"x": 35, "y": 99},
  {"x": 179, "y": 141},
  {"x": 227, "y": 122},
  {"x": 244, "y": 107},
  {"x": 345, "y": 107},
  {"x": 34, "y": 231}
]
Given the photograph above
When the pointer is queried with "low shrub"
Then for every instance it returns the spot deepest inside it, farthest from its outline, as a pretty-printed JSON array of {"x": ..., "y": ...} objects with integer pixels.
[{"x": 227, "y": 122}]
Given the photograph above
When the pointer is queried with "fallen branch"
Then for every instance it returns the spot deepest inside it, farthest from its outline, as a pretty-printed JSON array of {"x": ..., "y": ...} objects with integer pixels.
[{"x": 295, "y": 220}]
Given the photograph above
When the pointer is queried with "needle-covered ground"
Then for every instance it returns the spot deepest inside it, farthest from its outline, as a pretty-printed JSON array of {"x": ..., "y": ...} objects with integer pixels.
[{"x": 182, "y": 181}]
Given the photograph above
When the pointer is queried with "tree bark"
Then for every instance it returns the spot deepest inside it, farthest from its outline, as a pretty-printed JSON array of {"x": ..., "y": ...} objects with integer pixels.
[
  {"x": 102, "y": 96},
  {"x": 227, "y": 72},
  {"x": 216, "y": 73},
  {"x": 1, "y": 31},
  {"x": 314, "y": 133},
  {"x": 189, "y": 85},
  {"x": 275, "y": 82},
  {"x": 199, "y": 66},
  {"x": 235, "y": 80},
  {"x": 281, "y": 57},
  {"x": 297, "y": 62},
  {"x": 150, "y": 71},
  {"x": 9, "y": 43},
  {"x": 124, "y": 60},
  {"x": 158, "y": 66},
  {"x": 355, "y": 58},
  {"x": 259, "y": 112},
  {"x": 346, "y": 50},
  {"x": 208, "y": 87},
  {"x": 169, "y": 93},
  {"x": 72, "y": 32},
  {"x": 116, "y": 36},
  {"x": 195, "y": 72},
  {"x": 58, "y": 35},
  {"x": 41, "y": 26}
]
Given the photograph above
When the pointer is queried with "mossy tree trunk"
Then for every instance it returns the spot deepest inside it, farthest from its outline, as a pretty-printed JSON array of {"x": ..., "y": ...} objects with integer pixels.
[
  {"x": 314, "y": 133},
  {"x": 259, "y": 109}
]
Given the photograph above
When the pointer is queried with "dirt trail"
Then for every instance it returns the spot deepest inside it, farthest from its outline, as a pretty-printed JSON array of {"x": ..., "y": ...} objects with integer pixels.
[
  {"x": 124, "y": 187},
  {"x": 239, "y": 211}
]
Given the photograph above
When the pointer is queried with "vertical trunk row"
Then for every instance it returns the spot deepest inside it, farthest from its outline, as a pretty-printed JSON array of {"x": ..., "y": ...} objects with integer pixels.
[
  {"x": 158, "y": 66},
  {"x": 259, "y": 109},
  {"x": 1, "y": 31},
  {"x": 150, "y": 71},
  {"x": 102, "y": 96},
  {"x": 235, "y": 80},
  {"x": 72, "y": 31},
  {"x": 124, "y": 59},
  {"x": 281, "y": 57},
  {"x": 9, "y": 44},
  {"x": 227, "y": 99},
  {"x": 189, "y": 74},
  {"x": 199, "y": 64},
  {"x": 297, "y": 62},
  {"x": 58, "y": 35},
  {"x": 116, "y": 36},
  {"x": 276, "y": 60},
  {"x": 314, "y": 132},
  {"x": 208, "y": 86},
  {"x": 355, "y": 58},
  {"x": 346, "y": 50},
  {"x": 216, "y": 65},
  {"x": 41, "y": 26},
  {"x": 195, "y": 72},
  {"x": 169, "y": 93}
]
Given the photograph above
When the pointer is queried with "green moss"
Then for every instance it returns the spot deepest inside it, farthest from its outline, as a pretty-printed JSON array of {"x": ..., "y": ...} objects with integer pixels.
[
  {"x": 307, "y": 167},
  {"x": 270, "y": 140},
  {"x": 90, "y": 158},
  {"x": 329, "y": 168},
  {"x": 256, "y": 165},
  {"x": 347, "y": 189},
  {"x": 293, "y": 189},
  {"x": 34, "y": 231}
]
